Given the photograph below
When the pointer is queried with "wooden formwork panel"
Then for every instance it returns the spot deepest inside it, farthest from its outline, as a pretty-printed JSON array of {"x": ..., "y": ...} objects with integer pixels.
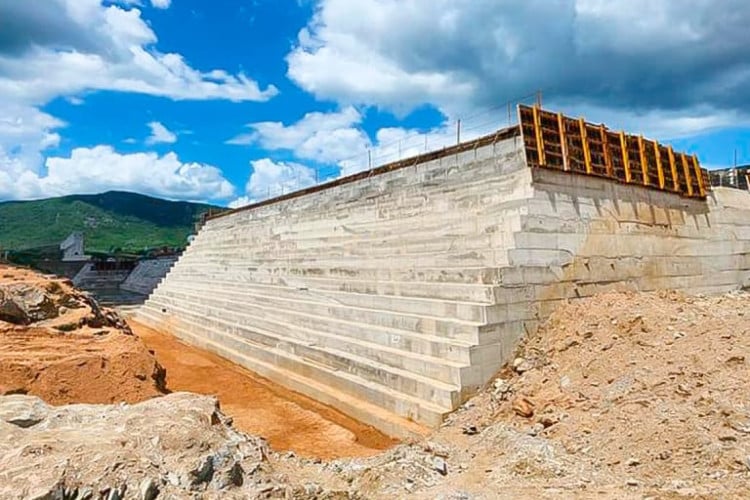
[{"x": 555, "y": 141}]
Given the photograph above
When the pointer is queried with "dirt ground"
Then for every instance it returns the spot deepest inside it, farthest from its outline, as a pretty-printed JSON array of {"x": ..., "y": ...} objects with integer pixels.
[
  {"x": 289, "y": 421},
  {"x": 56, "y": 343},
  {"x": 624, "y": 395}
]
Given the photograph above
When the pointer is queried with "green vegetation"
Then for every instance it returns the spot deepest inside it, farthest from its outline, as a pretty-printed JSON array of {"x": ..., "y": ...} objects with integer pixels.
[{"x": 113, "y": 221}]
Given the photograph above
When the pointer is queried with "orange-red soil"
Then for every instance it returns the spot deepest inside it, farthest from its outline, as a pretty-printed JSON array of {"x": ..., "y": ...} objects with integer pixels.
[
  {"x": 77, "y": 356},
  {"x": 288, "y": 420}
]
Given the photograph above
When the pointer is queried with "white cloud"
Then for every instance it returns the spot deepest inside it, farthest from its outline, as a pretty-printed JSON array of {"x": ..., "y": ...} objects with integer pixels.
[
  {"x": 641, "y": 56},
  {"x": 337, "y": 138},
  {"x": 661, "y": 124},
  {"x": 25, "y": 132},
  {"x": 269, "y": 179},
  {"x": 75, "y": 100},
  {"x": 98, "y": 169},
  {"x": 44, "y": 74},
  {"x": 322, "y": 137},
  {"x": 72, "y": 47},
  {"x": 160, "y": 134},
  {"x": 161, "y": 4},
  {"x": 242, "y": 201}
]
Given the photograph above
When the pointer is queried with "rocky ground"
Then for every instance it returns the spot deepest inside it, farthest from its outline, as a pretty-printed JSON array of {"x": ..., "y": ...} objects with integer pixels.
[
  {"x": 58, "y": 344},
  {"x": 623, "y": 395}
]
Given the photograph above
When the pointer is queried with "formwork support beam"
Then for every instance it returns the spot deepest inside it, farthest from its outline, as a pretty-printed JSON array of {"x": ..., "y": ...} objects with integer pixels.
[
  {"x": 644, "y": 160},
  {"x": 585, "y": 143},
  {"x": 699, "y": 176},
  {"x": 659, "y": 166},
  {"x": 673, "y": 166},
  {"x": 625, "y": 157},
  {"x": 563, "y": 141},
  {"x": 607, "y": 155},
  {"x": 539, "y": 136},
  {"x": 686, "y": 169}
]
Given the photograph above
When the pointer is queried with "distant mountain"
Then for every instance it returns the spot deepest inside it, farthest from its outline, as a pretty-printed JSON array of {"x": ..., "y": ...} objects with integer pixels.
[{"x": 114, "y": 220}]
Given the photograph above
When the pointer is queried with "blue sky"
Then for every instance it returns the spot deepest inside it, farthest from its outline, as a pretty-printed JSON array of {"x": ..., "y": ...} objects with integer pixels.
[{"x": 233, "y": 101}]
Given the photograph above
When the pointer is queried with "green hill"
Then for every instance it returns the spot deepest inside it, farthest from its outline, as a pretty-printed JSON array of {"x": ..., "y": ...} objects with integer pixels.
[{"x": 113, "y": 220}]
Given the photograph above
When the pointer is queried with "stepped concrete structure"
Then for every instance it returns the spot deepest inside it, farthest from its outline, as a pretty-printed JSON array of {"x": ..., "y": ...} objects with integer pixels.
[
  {"x": 395, "y": 294},
  {"x": 95, "y": 276},
  {"x": 147, "y": 274}
]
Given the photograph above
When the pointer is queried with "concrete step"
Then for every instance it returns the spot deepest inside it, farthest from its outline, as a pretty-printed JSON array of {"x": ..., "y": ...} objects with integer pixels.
[
  {"x": 489, "y": 258},
  {"x": 445, "y": 196},
  {"x": 426, "y": 228},
  {"x": 357, "y": 398},
  {"x": 446, "y": 330},
  {"x": 417, "y": 226},
  {"x": 461, "y": 310},
  {"x": 400, "y": 386},
  {"x": 346, "y": 270},
  {"x": 439, "y": 350},
  {"x": 446, "y": 252},
  {"x": 264, "y": 331},
  {"x": 447, "y": 246},
  {"x": 383, "y": 233},
  {"x": 404, "y": 323},
  {"x": 478, "y": 293},
  {"x": 468, "y": 276}
]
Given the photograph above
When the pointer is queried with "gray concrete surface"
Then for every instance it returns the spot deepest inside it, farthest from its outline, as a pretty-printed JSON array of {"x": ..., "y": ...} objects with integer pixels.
[{"x": 405, "y": 292}]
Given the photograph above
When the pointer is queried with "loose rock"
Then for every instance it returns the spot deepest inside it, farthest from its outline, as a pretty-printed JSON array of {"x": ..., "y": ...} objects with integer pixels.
[{"x": 523, "y": 407}]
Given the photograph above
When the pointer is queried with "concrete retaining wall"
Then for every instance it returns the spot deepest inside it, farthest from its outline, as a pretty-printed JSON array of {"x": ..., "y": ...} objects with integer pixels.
[
  {"x": 147, "y": 275},
  {"x": 394, "y": 297}
]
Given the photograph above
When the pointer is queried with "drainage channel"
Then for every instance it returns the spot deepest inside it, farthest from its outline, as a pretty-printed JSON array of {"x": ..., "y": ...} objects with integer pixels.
[{"x": 288, "y": 420}]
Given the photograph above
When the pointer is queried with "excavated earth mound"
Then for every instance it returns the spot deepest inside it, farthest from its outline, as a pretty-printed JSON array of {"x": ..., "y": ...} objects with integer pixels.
[
  {"x": 58, "y": 344},
  {"x": 623, "y": 395}
]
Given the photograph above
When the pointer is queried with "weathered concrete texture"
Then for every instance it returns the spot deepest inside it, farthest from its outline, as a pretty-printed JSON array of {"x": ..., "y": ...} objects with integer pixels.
[
  {"x": 395, "y": 297},
  {"x": 147, "y": 275},
  {"x": 91, "y": 279}
]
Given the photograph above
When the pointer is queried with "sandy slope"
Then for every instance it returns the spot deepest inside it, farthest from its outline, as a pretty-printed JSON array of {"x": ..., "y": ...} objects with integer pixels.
[{"x": 65, "y": 349}]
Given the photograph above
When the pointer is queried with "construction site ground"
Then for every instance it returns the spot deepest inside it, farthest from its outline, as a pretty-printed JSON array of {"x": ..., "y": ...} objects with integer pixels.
[
  {"x": 288, "y": 420},
  {"x": 622, "y": 395},
  {"x": 58, "y": 344}
]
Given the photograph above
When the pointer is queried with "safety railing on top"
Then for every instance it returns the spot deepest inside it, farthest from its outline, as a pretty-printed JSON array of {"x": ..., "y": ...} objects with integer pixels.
[
  {"x": 573, "y": 145},
  {"x": 471, "y": 131}
]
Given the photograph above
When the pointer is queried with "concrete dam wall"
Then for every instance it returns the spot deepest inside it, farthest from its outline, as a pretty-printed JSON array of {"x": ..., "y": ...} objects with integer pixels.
[
  {"x": 396, "y": 294},
  {"x": 147, "y": 275}
]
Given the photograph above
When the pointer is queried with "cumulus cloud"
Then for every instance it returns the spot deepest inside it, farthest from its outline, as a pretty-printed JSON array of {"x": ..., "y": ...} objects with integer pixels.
[
  {"x": 322, "y": 137},
  {"x": 72, "y": 47},
  {"x": 24, "y": 133},
  {"x": 337, "y": 139},
  {"x": 160, "y": 134},
  {"x": 635, "y": 57},
  {"x": 161, "y": 4},
  {"x": 242, "y": 201},
  {"x": 98, "y": 169},
  {"x": 269, "y": 178}
]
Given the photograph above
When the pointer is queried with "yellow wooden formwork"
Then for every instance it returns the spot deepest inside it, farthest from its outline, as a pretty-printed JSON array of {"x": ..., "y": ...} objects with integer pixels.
[{"x": 555, "y": 141}]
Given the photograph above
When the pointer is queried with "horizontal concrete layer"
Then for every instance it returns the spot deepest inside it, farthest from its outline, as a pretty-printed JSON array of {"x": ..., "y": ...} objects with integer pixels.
[{"x": 308, "y": 369}]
